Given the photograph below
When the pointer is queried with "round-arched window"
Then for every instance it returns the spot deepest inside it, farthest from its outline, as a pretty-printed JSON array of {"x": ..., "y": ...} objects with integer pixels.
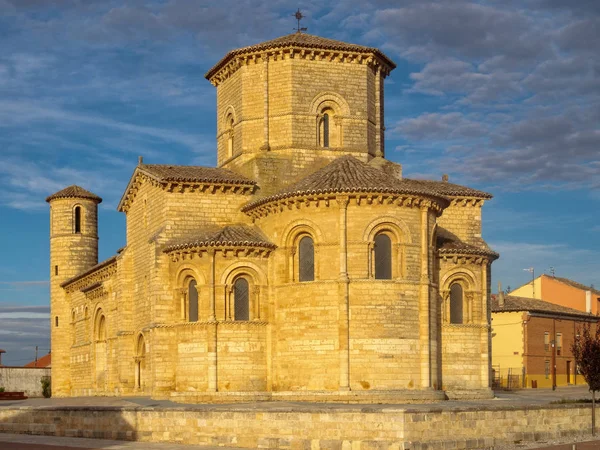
[
  {"x": 241, "y": 299},
  {"x": 306, "y": 259},
  {"x": 456, "y": 303},
  {"x": 383, "y": 257}
]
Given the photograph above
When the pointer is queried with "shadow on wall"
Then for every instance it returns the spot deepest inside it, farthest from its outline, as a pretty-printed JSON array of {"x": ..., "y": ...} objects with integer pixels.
[{"x": 83, "y": 422}]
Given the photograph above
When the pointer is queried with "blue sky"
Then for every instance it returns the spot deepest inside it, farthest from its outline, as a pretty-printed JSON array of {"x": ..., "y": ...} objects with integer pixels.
[{"x": 501, "y": 95}]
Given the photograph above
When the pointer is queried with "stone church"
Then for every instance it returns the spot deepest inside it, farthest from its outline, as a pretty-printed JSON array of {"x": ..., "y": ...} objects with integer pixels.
[{"x": 305, "y": 266}]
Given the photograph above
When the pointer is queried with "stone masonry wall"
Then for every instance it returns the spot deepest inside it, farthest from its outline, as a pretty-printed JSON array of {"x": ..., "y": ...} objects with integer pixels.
[{"x": 298, "y": 427}]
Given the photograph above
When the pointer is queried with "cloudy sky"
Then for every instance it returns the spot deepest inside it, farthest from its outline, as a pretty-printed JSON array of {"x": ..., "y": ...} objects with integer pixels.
[{"x": 501, "y": 95}]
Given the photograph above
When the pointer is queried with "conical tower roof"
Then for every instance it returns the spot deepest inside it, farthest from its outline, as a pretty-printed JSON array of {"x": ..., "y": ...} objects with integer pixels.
[
  {"x": 74, "y": 192},
  {"x": 304, "y": 41}
]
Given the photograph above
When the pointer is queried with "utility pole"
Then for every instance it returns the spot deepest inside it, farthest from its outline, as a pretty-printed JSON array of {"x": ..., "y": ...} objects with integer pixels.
[
  {"x": 553, "y": 354},
  {"x": 532, "y": 271}
]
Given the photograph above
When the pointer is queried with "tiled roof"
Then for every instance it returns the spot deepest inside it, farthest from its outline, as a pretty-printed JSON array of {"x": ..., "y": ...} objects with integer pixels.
[
  {"x": 452, "y": 190},
  {"x": 348, "y": 174},
  {"x": 302, "y": 40},
  {"x": 448, "y": 243},
  {"x": 214, "y": 236},
  {"x": 74, "y": 192},
  {"x": 199, "y": 174},
  {"x": 575, "y": 284},
  {"x": 512, "y": 303},
  {"x": 44, "y": 361}
]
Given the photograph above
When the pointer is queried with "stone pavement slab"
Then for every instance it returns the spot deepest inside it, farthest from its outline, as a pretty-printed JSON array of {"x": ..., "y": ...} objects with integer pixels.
[
  {"x": 517, "y": 399},
  {"x": 27, "y": 442}
]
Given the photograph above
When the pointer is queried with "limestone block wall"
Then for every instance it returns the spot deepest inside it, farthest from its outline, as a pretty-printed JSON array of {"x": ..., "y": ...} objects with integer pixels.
[
  {"x": 389, "y": 428},
  {"x": 463, "y": 219},
  {"x": 385, "y": 350},
  {"x": 241, "y": 356},
  {"x": 229, "y": 102},
  {"x": 23, "y": 379}
]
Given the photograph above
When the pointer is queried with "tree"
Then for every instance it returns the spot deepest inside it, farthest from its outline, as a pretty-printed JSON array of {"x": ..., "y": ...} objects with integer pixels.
[{"x": 586, "y": 351}]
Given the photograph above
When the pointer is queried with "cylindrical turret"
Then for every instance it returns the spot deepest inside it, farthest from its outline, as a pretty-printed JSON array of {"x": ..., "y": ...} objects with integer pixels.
[{"x": 73, "y": 250}]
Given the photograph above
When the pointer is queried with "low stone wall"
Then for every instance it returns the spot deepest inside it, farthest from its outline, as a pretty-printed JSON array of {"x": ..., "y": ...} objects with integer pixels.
[
  {"x": 305, "y": 426},
  {"x": 23, "y": 379}
]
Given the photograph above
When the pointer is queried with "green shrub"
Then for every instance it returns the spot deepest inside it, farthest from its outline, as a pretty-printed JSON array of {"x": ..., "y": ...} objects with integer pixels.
[
  {"x": 1, "y": 389},
  {"x": 46, "y": 387}
]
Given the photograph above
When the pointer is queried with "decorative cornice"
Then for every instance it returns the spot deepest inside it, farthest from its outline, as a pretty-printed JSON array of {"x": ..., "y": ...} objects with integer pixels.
[
  {"x": 200, "y": 250},
  {"x": 259, "y": 210},
  {"x": 208, "y": 187},
  {"x": 460, "y": 257},
  {"x": 209, "y": 323},
  {"x": 231, "y": 63},
  {"x": 467, "y": 201},
  {"x": 95, "y": 275}
]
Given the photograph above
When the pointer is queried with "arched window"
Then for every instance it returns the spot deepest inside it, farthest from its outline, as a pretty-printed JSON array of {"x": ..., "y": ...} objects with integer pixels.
[
  {"x": 77, "y": 219},
  {"x": 230, "y": 136},
  {"x": 306, "y": 259},
  {"x": 101, "y": 328},
  {"x": 383, "y": 257},
  {"x": 241, "y": 299},
  {"x": 456, "y": 303},
  {"x": 73, "y": 328},
  {"x": 192, "y": 302},
  {"x": 324, "y": 130}
]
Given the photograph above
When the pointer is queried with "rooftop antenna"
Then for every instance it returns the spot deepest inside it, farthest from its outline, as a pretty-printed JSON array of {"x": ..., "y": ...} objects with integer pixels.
[
  {"x": 552, "y": 271},
  {"x": 298, "y": 15}
]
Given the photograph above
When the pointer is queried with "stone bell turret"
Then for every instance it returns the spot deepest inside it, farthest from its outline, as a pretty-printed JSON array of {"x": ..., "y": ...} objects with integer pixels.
[{"x": 73, "y": 250}]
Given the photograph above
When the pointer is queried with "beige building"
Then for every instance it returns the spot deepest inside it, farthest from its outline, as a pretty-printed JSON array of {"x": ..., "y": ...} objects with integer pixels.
[{"x": 303, "y": 267}]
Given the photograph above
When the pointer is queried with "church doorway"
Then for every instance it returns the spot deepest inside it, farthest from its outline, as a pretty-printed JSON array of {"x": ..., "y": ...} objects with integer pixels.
[{"x": 140, "y": 364}]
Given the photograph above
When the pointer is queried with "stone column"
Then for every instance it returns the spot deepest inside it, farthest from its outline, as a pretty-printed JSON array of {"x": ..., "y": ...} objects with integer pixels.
[
  {"x": 212, "y": 330},
  {"x": 424, "y": 314},
  {"x": 256, "y": 303},
  {"x": 344, "y": 295},
  {"x": 485, "y": 332},
  {"x": 378, "y": 112},
  {"x": 265, "y": 58},
  {"x": 212, "y": 293}
]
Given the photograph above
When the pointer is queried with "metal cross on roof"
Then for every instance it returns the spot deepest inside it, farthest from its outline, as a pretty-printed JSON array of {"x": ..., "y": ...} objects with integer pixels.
[{"x": 298, "y": 15}]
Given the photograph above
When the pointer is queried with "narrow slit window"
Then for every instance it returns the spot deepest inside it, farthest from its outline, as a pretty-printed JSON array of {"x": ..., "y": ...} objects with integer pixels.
[
  {"x": 55, "y": 271},
  {"x": 241, "y": 292},
  {"x": 56, "y": 321},
  {"x": 456, "y": 303},
  {"x": 306, "y": 259},
  {"x": 193, "y": 302},
  {"x": 78, "y": 219},
  {"x": 383, "y": 257}
]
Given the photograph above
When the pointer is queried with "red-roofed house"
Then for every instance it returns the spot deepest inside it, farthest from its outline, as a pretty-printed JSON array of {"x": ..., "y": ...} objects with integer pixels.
[{"x": 44, "y": 361}]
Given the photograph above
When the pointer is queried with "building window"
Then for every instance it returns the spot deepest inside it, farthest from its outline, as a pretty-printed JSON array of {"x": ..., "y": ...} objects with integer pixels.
[
  {"x": 547, "y": 369},
  {"x": 559, "y": 343},
  {"x": 101, "y": 328},
  {"x": 546, "y": 341},
  {"x": 456, "y": 303},
  {"x": 324, "y": 131},
  {"x": 306, "y": 259},
  {"x": 241, "y": 299},
  {"x": 230, "y": 123},
  {"x": 55, "y": 271},
  {"x": 56, "y": 321},
  {"x": 77, "y": 218},
  {"x": 192, "y": 302},
  {"x": 383, "y": 257}
]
